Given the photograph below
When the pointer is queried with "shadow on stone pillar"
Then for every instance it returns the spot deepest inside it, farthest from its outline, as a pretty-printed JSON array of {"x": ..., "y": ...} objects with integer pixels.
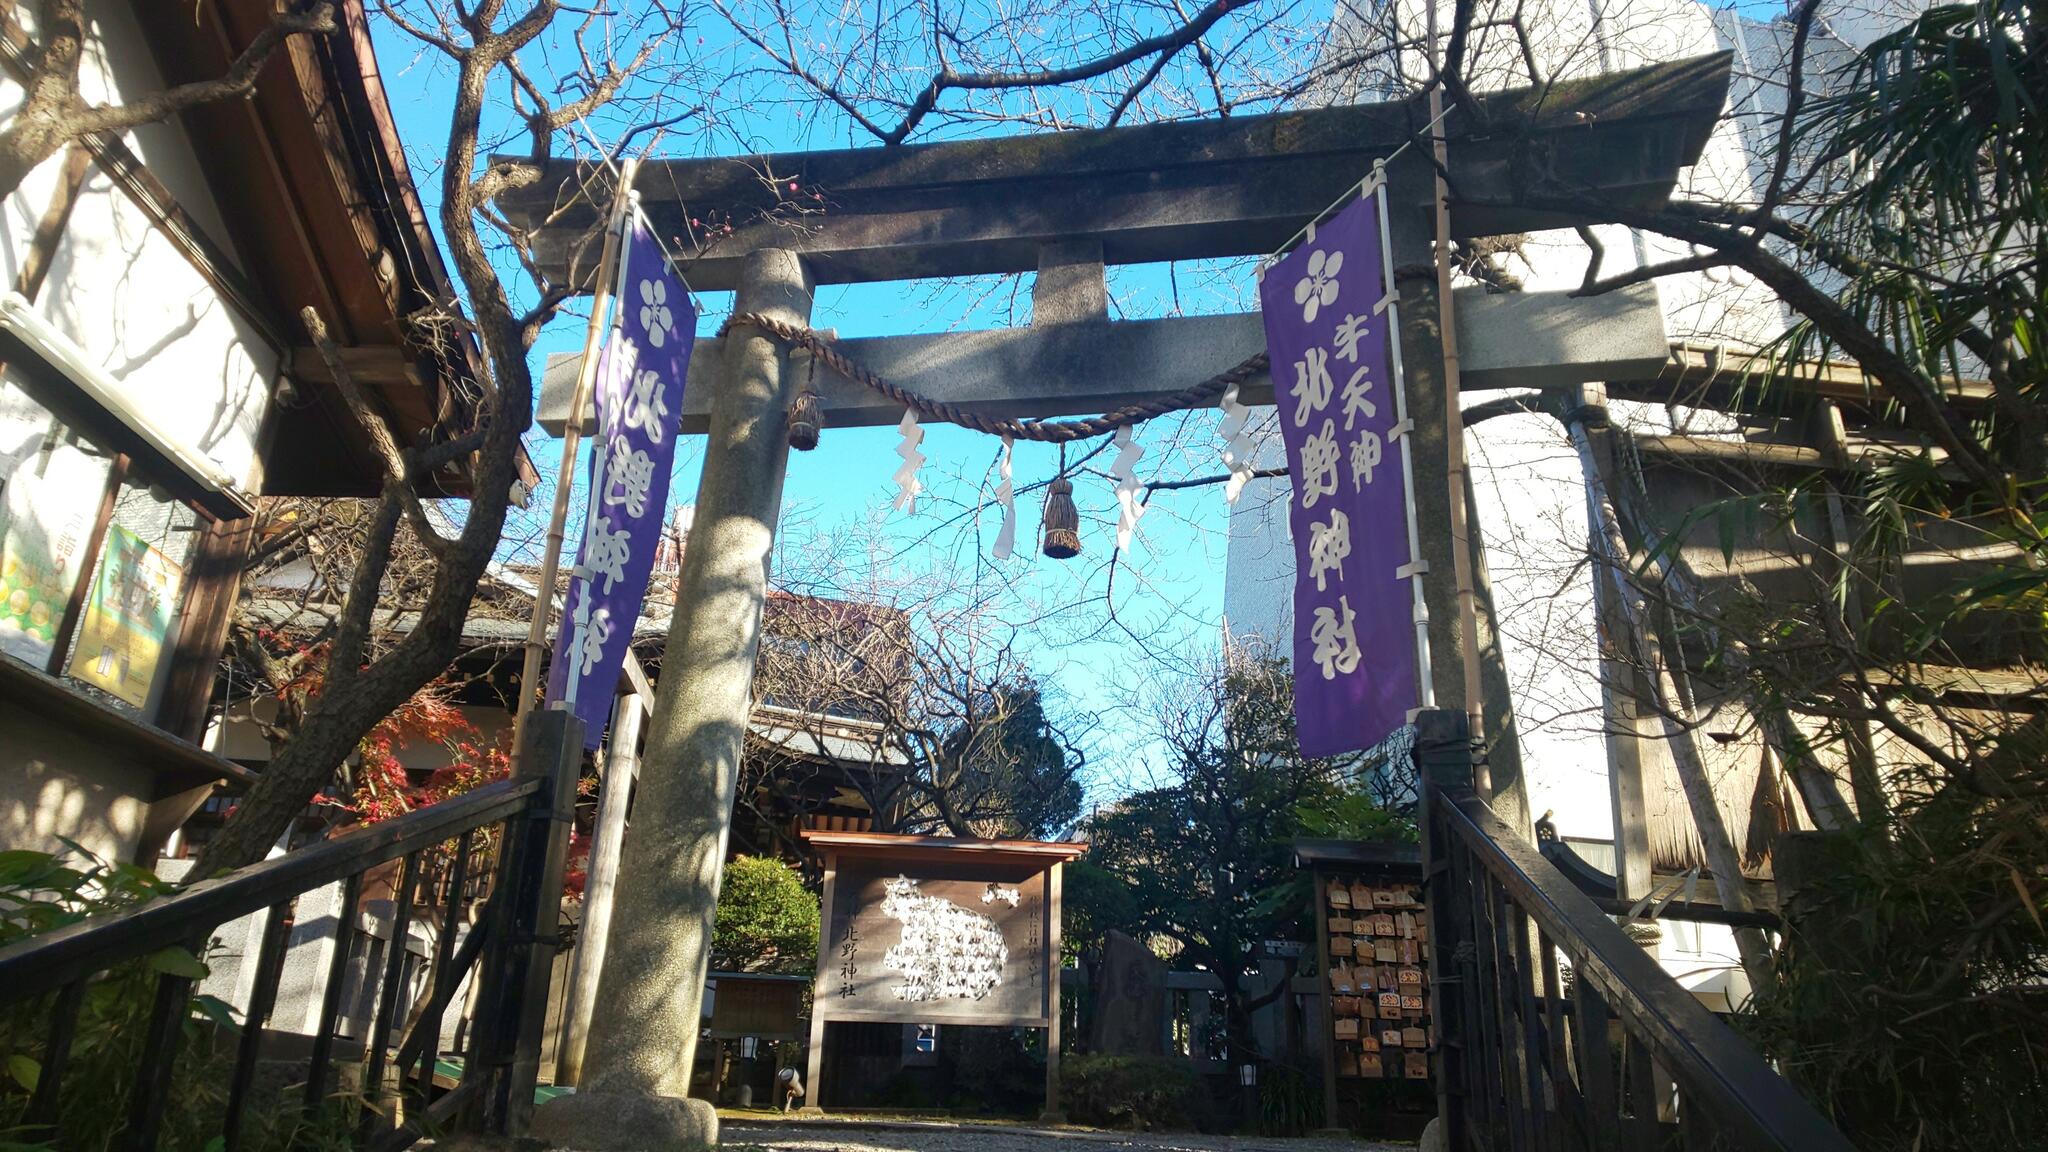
[{"x": 643, "y": 1032}]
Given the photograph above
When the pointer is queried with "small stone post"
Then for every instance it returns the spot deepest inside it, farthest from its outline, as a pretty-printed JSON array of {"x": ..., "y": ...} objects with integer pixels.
[
  {"x": 643, "y": 1034},
  {"x": 814, "y": 1071}
]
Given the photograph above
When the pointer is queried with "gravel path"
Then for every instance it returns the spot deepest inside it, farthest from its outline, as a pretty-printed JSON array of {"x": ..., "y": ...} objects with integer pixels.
[{"x": 822, "y": 1136}]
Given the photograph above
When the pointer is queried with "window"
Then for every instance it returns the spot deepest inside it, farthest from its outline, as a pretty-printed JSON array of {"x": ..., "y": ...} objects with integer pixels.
[
  {"x": 920, "y": 1046},
  {"x": 92, "y": 558},
  {"x": 51, "y": 486},
  {"x": 1183, "y": 1023},
  {"x": 1200, "y": 1023},
  {"x": 1684, "y": 936},
  {"x": 128, "y": 620}
]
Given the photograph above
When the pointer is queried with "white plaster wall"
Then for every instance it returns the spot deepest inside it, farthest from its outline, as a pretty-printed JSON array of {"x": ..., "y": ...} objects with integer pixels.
[
  {"x": 121, "y": 291},
  {"x": 1861, "y": 21},
  {"x": 56, "y": 785}
]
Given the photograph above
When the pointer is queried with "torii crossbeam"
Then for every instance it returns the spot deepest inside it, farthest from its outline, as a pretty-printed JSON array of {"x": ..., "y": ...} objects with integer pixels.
[
  {"x": 1238, "y": 186},
  {"x": 1066, "y": 205}
]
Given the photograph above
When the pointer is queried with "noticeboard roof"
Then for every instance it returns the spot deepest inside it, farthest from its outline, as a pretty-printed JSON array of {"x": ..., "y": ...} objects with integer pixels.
[
  {"x": 893, "y": 846},
  {"x": 1347, "y": 854}
]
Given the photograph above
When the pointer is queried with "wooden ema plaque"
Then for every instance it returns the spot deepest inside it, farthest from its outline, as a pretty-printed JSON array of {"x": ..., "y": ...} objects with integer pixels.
[{"x": 1377, "y": 937}]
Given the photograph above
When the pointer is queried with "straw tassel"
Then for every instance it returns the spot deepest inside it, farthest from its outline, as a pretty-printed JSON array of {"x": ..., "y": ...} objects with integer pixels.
[
  {"x": 806, "y": 416},
  {"x": 1062, "y": 521},
  {"x": 1062, "y": 528},
  {"x": 806, "y": 419}
]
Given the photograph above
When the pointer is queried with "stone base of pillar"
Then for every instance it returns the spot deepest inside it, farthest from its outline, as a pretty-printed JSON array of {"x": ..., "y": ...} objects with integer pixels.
[{"x": 626, "y": 1122}]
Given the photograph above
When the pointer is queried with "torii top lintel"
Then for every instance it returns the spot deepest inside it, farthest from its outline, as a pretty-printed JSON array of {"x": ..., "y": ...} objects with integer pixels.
[{"x": 1235, "y": 186}]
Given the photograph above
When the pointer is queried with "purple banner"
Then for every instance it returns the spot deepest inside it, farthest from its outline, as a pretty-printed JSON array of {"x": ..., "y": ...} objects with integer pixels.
[
  {"x": 1327, "y": 315},
  {"x": 640, "y": 377}
]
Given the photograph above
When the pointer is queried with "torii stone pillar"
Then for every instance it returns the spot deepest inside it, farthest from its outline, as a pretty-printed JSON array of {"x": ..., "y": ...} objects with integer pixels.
[
  {"x": 636, "y": 1076},
  {"x": 1412, "y": 182}
]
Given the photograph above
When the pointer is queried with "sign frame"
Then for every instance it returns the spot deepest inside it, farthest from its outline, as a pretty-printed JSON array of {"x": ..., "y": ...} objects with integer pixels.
[{"x": 854, "y": 860}]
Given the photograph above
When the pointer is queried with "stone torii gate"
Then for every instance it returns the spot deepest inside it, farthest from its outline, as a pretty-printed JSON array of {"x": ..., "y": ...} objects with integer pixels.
[{"x": 1063, "y": 205}]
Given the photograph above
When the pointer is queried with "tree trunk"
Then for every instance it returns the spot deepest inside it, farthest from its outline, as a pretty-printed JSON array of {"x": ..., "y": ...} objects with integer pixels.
[
  {"x": 288, "y": 783},
  {"x": 356, "y": 701},
  {"x": 15, "y": 165}
]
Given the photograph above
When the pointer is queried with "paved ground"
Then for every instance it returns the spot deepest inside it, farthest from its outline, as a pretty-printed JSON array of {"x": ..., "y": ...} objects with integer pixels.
[{"x": 823, "y": 1136}]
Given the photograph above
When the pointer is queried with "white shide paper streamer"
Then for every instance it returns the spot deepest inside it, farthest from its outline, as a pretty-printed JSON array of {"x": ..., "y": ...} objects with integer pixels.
[
  {"x": 1127, "y": 487},
  {"x": 907, "y": 483},
  {"x": 1237, "y": 446},
  {"x": 1006, "y": 495}
]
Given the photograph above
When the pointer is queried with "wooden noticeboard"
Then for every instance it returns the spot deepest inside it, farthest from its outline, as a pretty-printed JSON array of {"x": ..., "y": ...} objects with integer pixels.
[
  {"x": 756, "y": 1004},
  {"x": 1372, "y": 940},
  {"x": 939, "y": 949},
  {"x": 932, "y": 930}
]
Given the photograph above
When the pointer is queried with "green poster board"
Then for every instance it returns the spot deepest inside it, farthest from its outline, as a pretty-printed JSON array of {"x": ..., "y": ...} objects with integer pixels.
[{"x": 127, "y": 617}]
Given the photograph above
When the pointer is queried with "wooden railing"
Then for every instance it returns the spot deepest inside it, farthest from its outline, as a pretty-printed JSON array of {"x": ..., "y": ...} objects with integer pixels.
[
  {"x": 1555, "y": 1031},
  {"x": 511, "y": 949}
]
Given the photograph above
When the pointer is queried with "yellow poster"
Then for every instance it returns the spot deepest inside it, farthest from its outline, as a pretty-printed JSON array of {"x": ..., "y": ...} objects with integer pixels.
[
  {"x": 127, "y": 616},
  {"x": 46, "y": 509}
]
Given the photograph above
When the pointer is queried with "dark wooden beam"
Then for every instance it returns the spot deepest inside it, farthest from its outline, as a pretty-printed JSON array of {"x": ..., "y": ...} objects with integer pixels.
[
  {"x": 381, "y": 367},
  {"x": 213, "y": 578},
  {"x": 1211, "y": 188}
]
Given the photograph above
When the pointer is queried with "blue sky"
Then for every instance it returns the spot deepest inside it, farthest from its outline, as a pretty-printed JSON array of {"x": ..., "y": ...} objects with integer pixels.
[{"x": 1168, "y": 591}]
